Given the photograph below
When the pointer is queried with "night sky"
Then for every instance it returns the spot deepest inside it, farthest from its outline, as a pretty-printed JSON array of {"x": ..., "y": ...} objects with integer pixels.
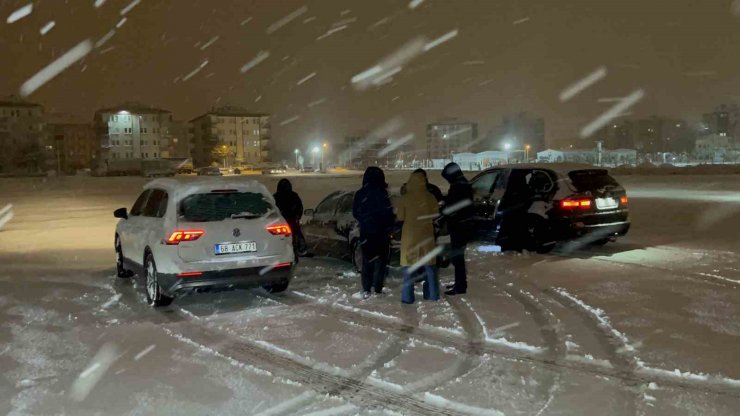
[{"x": 509, "y": 56}]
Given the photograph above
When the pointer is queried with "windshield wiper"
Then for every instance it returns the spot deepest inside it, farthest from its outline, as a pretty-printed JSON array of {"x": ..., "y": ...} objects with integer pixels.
[{"x": 248, "y": 216}]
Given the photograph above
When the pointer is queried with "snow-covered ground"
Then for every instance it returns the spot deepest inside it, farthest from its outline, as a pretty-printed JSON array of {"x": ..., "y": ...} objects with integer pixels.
[{"x": 647, "y": 325}]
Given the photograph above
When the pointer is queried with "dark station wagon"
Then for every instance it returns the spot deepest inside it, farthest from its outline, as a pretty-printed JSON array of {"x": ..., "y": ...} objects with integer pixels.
[{"x": 534, "y": 206}]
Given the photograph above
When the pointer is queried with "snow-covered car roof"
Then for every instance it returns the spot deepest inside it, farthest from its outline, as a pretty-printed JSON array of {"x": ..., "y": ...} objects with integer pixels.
[{"x": 181, "y": 187}]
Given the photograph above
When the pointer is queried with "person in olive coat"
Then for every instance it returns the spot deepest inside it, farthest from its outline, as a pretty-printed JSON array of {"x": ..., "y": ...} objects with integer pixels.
[
  {"x": 418, "y": 209},
  {"x": 432, "y": 188}
]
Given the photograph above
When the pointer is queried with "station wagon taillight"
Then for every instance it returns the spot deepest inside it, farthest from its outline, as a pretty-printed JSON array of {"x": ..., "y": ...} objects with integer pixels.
[
  {"x": 179, "y": 236},
  {"x": 279, "y": 229},
  {"x": 575, "y": 204},
  {"x": 189, "y": 274}
]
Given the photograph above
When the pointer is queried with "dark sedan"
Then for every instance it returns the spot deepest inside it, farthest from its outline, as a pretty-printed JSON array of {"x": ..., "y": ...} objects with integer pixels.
[
  {"x": 534, "y": 206},
  {"x": 331, "y": 230}
]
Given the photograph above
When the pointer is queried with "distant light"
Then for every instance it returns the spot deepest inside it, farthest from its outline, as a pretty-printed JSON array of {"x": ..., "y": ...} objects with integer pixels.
[
  {"x": 507, "y": 146},
  {"x": 123, "y": 112},
  {"x": 315, "y": 149},
  {"x": 296, "y": 151}
]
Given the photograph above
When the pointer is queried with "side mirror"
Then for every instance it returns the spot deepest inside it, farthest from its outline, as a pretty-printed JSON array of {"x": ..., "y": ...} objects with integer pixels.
[
  {"x": 121, "y": 213},
  {"x": 308, "y": 212}
]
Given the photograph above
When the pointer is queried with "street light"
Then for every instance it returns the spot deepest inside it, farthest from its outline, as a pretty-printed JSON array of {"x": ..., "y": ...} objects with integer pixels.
[
  {"x": 315, "y": 152},
  {"x": 226, "y": 154},
  {"x": 507, "y": 146},
  {"x": 526, "y": 153},
  {"x": 323, "y": 150},
  {"x": 296, "y": 151}
]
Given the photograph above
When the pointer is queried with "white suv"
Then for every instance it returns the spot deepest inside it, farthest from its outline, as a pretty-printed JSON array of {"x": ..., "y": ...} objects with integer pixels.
[{"x": 182, "y": 235}]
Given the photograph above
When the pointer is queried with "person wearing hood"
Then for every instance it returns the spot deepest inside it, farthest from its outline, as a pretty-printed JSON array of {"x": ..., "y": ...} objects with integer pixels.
[
  {"x": 291, "y": 208},
  {"x": 432, "y": 188},
  {"x": 374, "y": 213},
  {"x": 458, "y": 213},
  {"x": 418, "y": 209}
]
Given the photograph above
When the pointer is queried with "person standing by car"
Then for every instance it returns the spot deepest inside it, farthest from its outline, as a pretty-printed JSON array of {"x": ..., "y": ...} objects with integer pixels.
[
  {"x": 458, "y": 214},
  {"x": 418, "y": 209},
  {"x": 374, "y": 213},
  {"x": 291, "y": 208},
  {"x": 432, "y": 188}
]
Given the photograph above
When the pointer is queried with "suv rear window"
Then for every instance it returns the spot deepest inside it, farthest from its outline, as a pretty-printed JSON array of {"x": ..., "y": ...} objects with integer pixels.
[
  {"x": 591, "y": 180},
  {"x": 218, "y": 206}
]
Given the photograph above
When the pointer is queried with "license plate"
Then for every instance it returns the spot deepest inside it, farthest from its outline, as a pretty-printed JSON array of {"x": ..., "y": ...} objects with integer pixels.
[
  {"x": 232, "y": 248},
  {"x": 606, "y": 203}
]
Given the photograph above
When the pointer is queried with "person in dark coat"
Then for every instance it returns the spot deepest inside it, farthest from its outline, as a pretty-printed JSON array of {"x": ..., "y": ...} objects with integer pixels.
[
  {"x": 458, "y": 214},
  {"x": 373, "y": 210},
  {"x": 291, "y": 208}
]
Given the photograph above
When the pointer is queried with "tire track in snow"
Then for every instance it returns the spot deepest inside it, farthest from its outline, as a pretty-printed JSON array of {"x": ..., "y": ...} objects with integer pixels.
[
  {"x": 290, "y": 367},
  {"x": 391, "y": 348},
  {"x": 133, "y": 299},
  {"x": 589, "y": 254},
  {"x": 406, "y": 333},
  {"x": 617, "y": 353},
  {"x": 639, "y": 373},
  {"x": 550, "y": 332},
  {"x": 462, "y": 344},
  {"x": 533, "y": 299},
  {"x": 467, "y": 363}
]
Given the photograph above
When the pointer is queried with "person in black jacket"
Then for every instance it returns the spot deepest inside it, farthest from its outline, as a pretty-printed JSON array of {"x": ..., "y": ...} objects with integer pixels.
[
  {"x": 373, "y": 210},
  {"x": 291, "y": 208},
  {"x": 458, "y": 213}
]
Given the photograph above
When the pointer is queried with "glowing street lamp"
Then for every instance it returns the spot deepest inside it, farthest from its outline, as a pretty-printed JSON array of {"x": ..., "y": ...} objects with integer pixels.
[
  {"x": 507, "y": 146},
  {"x": 323, "y": 150},
  {"x": 295, "y": 152},
  {"x": 315, "y": 152},
  {"x": 225, "y": 150},
  {"x": 526, "y": 152}
]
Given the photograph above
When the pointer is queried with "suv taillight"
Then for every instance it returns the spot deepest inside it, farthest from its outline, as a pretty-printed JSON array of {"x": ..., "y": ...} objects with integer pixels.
[
  {"x": 623, "y": 200},
  {"x": 178, "y": 236},
  {"x": 575, "y": 203},
  {"x": 279, "y": 229}
]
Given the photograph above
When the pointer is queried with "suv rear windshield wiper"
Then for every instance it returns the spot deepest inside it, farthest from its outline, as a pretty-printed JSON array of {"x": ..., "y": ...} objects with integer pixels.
[{"x": 247, "y": 215}]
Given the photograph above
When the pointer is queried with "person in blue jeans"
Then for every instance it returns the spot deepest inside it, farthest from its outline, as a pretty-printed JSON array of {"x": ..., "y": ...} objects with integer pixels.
[{"x": 418, "y": 209}]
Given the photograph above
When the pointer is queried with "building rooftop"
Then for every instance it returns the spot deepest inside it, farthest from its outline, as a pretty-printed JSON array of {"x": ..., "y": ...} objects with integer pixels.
[
  {"x": 13, "y": 101},
  {"x": 229, "y": 111},
  {"x": 450, "y": 121},
  {"x": 66, "y": 118},
  {"x": 136, "y": 108}
]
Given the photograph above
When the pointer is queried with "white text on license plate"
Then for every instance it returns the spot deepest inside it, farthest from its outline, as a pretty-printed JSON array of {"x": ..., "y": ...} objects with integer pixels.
[
  {"x": 231, "y": 248},
  {"x": 606, "y": 203}
]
